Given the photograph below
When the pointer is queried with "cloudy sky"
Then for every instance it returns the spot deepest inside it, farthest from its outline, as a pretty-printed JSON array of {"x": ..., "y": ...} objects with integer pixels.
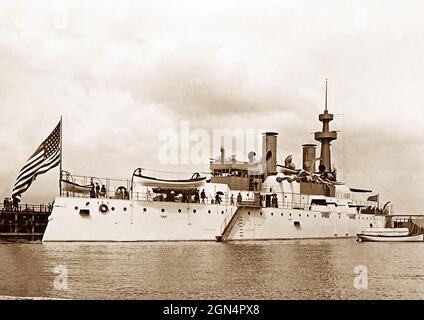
[{"x": 121, "y": 72}]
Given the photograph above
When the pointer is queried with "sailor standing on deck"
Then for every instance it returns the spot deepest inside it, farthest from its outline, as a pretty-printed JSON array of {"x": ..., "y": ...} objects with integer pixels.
[
  {"x": 103, "y": 191},
  {"x": 93, "y": 190},
  {"x": 97, "y": 190},
  {"x": 197, "y": 196},
  {"x": 203, "y": 195},
  {"x": 217, "y": 198},
  {"x": 172, "y": 196},
  {"x": 239, "y": 198}
]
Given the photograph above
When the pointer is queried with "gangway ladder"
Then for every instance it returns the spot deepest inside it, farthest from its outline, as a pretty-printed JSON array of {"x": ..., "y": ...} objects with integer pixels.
[
  {"x": 230, "y": 225},
  {"x": 417, "y": 226}
]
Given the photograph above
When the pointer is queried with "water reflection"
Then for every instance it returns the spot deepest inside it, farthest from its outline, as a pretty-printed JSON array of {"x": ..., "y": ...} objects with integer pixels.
[{"x": 307, "y": 269}]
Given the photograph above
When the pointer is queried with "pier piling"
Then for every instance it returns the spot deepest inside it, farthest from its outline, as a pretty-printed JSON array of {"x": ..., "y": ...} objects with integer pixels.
[{"x": 24, "y": 222}]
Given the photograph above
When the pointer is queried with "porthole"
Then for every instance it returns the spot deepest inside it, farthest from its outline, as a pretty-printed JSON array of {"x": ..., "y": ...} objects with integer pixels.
[
  {"x": 194, "y": 211},
  {"x": 282, "y": 214},
  {"x": 307, "y": 215},
  {"x": 103, "y": 208},
  {"x": 162, "y": 210},
  {"x": 272, "y": 213},
  {"x": 125, "y": 208},
  {"x": 290, "y": 214},
  {"x": 300, "y": 215},
  {"x": 76, "y": 208},
  {"x": 144, "y": 209},
  {"x": 209, "y": 211},
  {"x": 260, "y": 213},
  {"x": 248, "y": 213},
  {"x": 113, "y": 208},
  {"x": 222, "y": 212},
  {"x": 179, "y": 210}
]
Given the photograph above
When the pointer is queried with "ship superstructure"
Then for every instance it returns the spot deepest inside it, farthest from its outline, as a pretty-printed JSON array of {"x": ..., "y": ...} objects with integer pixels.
[{"x": 241, "y": 200}]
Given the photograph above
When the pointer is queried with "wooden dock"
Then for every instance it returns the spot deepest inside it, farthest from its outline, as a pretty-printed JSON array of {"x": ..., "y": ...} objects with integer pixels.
[
  {"x": 414, "y": 222},
  {"x": 26, "y": 222}
]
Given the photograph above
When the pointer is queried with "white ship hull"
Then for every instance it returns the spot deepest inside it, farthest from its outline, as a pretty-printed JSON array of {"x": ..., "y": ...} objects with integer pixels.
[{"x": 132, "y": 220}]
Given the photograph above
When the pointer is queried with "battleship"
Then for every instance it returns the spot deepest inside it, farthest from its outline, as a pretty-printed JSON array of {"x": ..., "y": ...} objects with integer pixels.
[{"x": 240, "y": 200}]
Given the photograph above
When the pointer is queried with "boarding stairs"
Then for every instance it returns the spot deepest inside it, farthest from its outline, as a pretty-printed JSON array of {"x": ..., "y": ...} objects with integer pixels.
[
  {"x": 417, "y": 226},
  {"x": 229, "y": 225}
]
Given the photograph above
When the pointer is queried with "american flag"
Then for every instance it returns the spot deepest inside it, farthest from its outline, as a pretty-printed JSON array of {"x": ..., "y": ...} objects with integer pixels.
[{"x": 46, "y": 157}]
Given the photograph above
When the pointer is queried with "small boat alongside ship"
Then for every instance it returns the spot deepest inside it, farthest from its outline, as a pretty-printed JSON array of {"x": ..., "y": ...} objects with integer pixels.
[{"x": 390, "y": 235}]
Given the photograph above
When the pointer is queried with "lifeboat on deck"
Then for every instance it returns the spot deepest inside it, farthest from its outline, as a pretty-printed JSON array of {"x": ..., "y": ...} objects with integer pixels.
[
  {"x": 73, "y": 187},
  {"x": 196, "y": 181}
]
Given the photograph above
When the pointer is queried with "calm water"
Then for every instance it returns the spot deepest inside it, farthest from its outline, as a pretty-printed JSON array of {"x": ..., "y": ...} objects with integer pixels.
[{"x": 306, "y": 269}]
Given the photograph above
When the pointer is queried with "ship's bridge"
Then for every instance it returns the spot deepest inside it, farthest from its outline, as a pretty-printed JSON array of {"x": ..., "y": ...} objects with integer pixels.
[{"x": 238, "y": 175}]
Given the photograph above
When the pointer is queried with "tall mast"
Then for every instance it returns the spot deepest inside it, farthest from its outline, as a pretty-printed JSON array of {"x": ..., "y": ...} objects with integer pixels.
[
  {"x": 325, "y": 137},
  {"x": 325, "y": 95}
]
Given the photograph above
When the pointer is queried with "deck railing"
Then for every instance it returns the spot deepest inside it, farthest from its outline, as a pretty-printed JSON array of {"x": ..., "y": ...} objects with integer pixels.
[
  {"x": 121, "y": 189},
  {"x": 25, "y": 208},
  {"x": 225, "y": 201}
]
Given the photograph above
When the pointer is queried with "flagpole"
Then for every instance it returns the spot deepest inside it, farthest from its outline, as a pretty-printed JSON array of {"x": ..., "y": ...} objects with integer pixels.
[{"x": 60, "y": 164}]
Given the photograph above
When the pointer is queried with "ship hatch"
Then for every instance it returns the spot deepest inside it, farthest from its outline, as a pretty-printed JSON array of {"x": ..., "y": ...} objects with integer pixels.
[
  {"x": 319, "y": 202},
  {"x": 84, "y": 212}
]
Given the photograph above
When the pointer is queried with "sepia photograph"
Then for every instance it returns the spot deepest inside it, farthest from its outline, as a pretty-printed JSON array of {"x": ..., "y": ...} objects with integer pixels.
[{"x": 211, "y": 151}]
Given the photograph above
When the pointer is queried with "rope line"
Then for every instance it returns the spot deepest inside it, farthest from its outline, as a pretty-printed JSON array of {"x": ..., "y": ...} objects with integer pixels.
[{"x": 381, "y": 185}]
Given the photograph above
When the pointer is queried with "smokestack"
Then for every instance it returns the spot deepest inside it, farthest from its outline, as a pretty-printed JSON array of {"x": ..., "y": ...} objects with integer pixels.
[
  {"x": 309, "y": 154},
  {"x": 222, "y": 154},
  {"x": 269, "y": 152}
]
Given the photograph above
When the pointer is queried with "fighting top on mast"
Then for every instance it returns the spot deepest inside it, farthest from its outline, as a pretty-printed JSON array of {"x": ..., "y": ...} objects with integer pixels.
[{"x": 325, "y": 137}]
